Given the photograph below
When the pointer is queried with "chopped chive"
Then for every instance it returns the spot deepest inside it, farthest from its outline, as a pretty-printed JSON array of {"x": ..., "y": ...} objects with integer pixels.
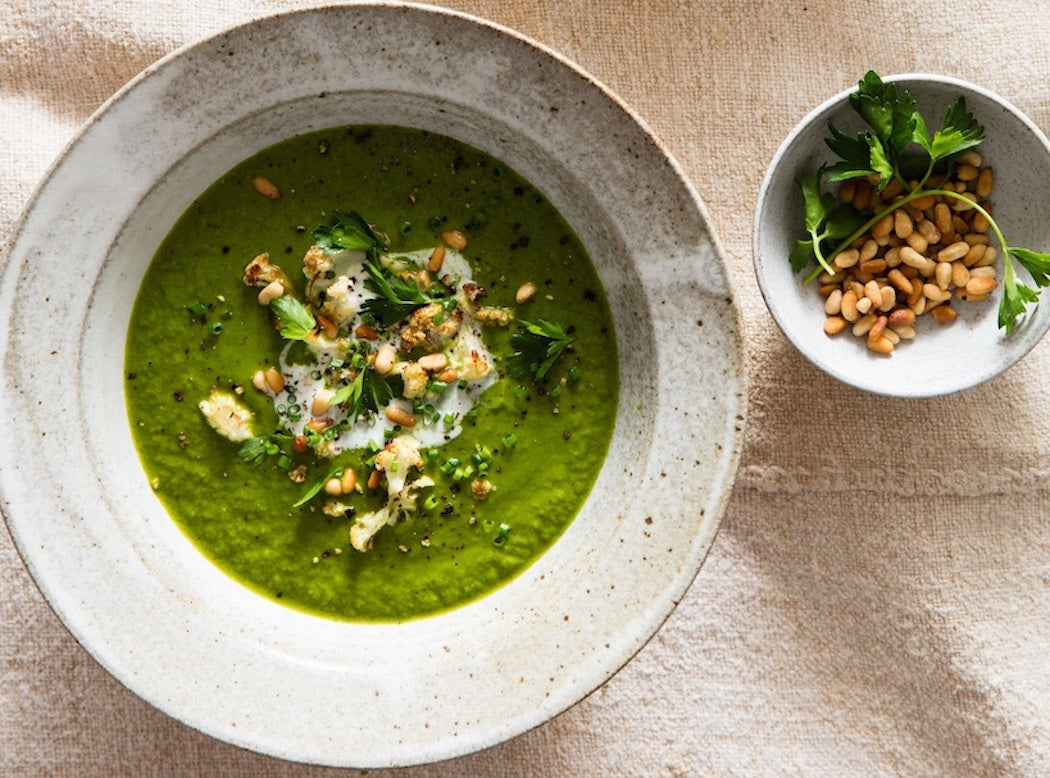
[
  {"x": 573, "y": 374},
  {"x": 284, "y": 461},
  {"x": 431, "y": 502},
  {"x": 197, "y": 308}
]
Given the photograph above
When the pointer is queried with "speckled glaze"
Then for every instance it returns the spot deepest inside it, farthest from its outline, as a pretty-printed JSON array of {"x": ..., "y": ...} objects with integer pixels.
[
  {"x": 173, "y": 628},
  {"x": 941, "y": 359}
]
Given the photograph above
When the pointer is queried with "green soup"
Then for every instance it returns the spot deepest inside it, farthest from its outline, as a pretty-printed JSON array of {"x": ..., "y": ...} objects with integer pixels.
[{"x": 197, "y": 327}]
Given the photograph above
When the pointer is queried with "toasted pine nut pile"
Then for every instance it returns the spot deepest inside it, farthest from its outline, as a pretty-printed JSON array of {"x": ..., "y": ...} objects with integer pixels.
[{"x": 920, "y": 259}]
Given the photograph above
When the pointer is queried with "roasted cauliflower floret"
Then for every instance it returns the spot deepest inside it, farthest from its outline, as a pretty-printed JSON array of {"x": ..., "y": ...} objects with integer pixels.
[
  {"x": 397, "y": 461},
  {"x": 340, "y": 301},
  {"x": 414, "y": 378},
  {"x": 227, "y": 415},
  {"x": 431, "y": 327},
  {"x": 261, "y": 272},
  {"x": 492, "y": 316},
  {"x": 316, "y": 263}
]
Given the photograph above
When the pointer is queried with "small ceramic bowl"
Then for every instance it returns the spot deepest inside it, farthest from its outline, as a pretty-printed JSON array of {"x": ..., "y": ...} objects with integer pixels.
[{"x": 942, "y": 358}]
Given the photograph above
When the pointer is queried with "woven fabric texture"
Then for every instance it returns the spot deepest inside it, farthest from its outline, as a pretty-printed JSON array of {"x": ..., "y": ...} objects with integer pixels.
[{"x": 877, "y": 601}]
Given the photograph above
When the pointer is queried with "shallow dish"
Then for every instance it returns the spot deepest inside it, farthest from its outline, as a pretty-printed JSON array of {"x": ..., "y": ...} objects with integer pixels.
[
  {"x": 941, "y": 359},
  {"x": 139, "y": 596}
]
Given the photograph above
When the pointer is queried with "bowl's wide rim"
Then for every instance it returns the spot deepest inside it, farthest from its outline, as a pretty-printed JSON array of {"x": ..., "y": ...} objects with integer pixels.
[
  {"x": 12, "y": 499},
  {"x": 1029, "y": 331}
]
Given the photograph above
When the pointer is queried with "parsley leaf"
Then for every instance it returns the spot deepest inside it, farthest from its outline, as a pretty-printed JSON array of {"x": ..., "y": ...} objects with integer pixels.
[
  {"x": 293, "y": 319},
  {"x": 348, "y": 231},
  {"x": 536, "y": 349},
  {"x": 255, "y": 450},
  {"x": 959, "y": 131},
  {"x": 1035, "y": 263},
  {"x": 369, "y": 391}
]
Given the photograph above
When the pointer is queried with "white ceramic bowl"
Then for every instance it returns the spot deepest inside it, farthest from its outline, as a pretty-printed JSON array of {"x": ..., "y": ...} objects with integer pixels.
[
  {"x": 941, "y": 359},
  {"x": 138, "y": 595}
]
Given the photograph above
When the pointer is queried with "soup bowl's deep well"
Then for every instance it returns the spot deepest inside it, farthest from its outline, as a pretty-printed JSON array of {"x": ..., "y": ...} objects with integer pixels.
[{"x": 167, "y": 623}]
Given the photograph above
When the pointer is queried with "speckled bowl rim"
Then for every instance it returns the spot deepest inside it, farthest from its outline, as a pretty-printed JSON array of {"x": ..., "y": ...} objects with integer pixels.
[
  {"x": 148, "y": 641},
  {"x": 881, "y": 376}
]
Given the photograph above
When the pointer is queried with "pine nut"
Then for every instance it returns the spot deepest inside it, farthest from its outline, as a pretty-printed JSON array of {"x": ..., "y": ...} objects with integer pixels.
[
  {"x": 374, "y": 478},
  {"x": 848, "y": 191},
  {"x": 873, "y": 266},
  {"x": 319, "y": 425},
  {"x": 847, "y": 258},
  {"x": 454, "y": 239},
  {"x": 320, "y": 405},
  {"x": 889, "y": 299},
  {"x": 864, "y": 305},
  {"x": 833, "y": 325},
  {"x": 930, "y": 231},
  {"x": 943, "y": 274},
  {"x": 868, "y": 250},
  {"x": 966, "y": 172},
  {"x": 943, "y": 314},
  {"x": 270, "y": 292},
  {"x": 385, "y": 359},
  {"x": 955, "y": 251},
  {"x": 985, "y": 182},
  {"x": 916, "y": 291},
  {"x": 902, "y": 317},
  {"x": 348, "y": 480},
  {"x": 980, "y": 223},
  {"x": 918, "y": 241},
  {"x": 437, "y": 259},
  {"x": 980, "y": 285},
  {"x": 902, "y": 224},
  {"x": 877, "y": 328},
  {"x": 259, "y": 381},
  {"x": 328, "y": 327},
  {"x": 833, "y": 303},
  {"x": 883, "y": 226},
  {"x": 913, "y": 258},
  {"x": 881, "y": 346},
  {"x": 984, "y": 271},
  {"x": 526, "y": 291},
  {"x": 266, "y": 187},
  {"x": 942, "y": 216},
  {"x": 826, "y": 289},
  {"x": 448, "y": 375},
  {"x": 862, "y": 196},
  {"x": 904, "y": 331},
  {"x": 365, "y": 332},
  {"x": 962, "y": 204},
  {"x": 935, "y": 294},
  {"x": 864, "y": 324},
  {"x": 960, "y": 273},
  {"x": 970, "y": 157},
  {"x": 848, "y": 306},
  {"x": 987, "y": 258},
  {"x": 433, "y": 362},
  {"x": 399, "y": 415},
  {"x": 973, "y": 256},
  {"x": 924, "y": 203},
  {"x": 891, "y": 335},
  {"x": 274, "y": 380},
  {"x": 332, "y": 487},
  {"x": 900, "y": 281}
]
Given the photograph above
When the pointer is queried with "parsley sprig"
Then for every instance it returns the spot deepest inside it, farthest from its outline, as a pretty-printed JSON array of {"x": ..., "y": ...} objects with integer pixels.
[
  {"x": 537, "y": 346},
  {"x": 348, "y": 231},
  {"x": 398, "y": 297},
  {"x": 294, "y": 321},
  {"x": 886, "y": 151},
  {"x": 369, "y": 391}
]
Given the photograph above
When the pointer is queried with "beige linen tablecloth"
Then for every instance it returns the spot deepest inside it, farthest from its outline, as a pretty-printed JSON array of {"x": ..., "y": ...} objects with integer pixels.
[{"x": 878, "y": 598}]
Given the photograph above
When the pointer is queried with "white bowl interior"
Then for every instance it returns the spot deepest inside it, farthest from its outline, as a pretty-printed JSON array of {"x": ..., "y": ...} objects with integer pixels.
[
  {"x": 177, "y": 631},
  {"x": 942, "y": 359}
]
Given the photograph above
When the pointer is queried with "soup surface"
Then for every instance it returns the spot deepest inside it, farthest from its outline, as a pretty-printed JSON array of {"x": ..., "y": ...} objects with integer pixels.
[{"x": 511, "y": 457}]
